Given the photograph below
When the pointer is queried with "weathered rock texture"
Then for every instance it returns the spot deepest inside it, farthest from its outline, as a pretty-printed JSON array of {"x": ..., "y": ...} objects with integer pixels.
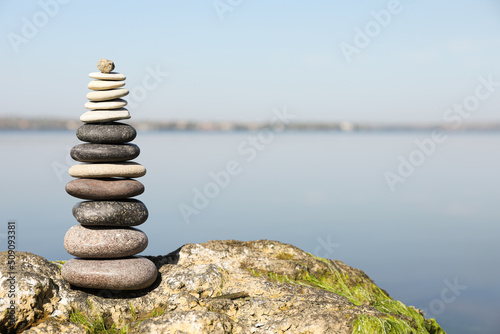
[
  {"x": 215, "y": 287},
  {"x": 105, "y": 66}
]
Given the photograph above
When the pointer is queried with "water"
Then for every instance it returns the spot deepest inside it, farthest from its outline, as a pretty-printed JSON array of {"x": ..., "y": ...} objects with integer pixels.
[{"x": 323, "y": 192}]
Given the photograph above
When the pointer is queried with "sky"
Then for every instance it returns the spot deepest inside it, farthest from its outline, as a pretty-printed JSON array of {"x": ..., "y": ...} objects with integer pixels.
[{"x": 238, "y": 60}]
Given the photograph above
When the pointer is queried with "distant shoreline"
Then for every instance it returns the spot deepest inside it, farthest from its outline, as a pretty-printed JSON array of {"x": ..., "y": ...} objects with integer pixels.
[{"x": 46, "y": 124}]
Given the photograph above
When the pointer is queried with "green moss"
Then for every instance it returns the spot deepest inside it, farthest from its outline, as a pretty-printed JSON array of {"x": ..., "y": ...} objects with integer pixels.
[
  {"x": 334, "y": 281},
  {"x": 95, "y": 324},
  {"x": 432, "y": 327},
  {"x": 397, "y": 317},
  {"x": 125, "y": 329},
  {"x": 396, "y": 307},
  {"x": 223, "y": 274},
  {"x": 58, "y": 263},
  {"x": 89, "y": 304},
  {"x": 284, "y": 256},
  {"x": 138, "y": 319},
  {"x": 157, "y": 312},
  {"x": 374, "y": 325},
  {"x": 79, "y": 318},
  {"x": 132, "y": 312}
]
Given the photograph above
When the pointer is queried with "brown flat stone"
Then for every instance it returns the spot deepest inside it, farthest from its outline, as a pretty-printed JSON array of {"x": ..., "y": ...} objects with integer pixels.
[
  {"x": 104, "y": 242},
  {"x": 131, "y": 273},
  {"x": 104, "y": 189}
]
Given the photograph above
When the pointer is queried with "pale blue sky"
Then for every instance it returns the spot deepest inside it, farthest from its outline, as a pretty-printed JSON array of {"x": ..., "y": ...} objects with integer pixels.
[{"x": 264, "y": 54}]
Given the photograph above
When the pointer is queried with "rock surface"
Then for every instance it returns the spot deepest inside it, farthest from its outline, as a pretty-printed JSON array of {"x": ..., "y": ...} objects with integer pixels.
[
  {"x": 53, "y": 326},
  {"x": 91, "y": 152},
  {"x": 106, "y": 133},
  {"x": 104, "y": 189},
  {"x": 104, "y": 242},
  {"x": 215, "y": 287},
  {"x": 105, "y": 65},
  {"x": 130, "y": 212},
  {"x": 132, "y": 273}
]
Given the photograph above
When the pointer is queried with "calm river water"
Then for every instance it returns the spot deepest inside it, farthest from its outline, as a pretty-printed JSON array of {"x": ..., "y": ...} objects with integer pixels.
[{"x": 433, "y": 242}]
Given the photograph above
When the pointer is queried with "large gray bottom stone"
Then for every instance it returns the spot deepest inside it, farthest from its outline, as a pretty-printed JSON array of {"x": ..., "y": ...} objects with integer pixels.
[
  {"x": 104, "y": 242},
  {"x": 131, "y": 273}
]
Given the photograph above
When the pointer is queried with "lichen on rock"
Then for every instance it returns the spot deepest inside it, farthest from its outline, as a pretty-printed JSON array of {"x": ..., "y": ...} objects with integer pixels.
[{"x": 215, "y": 287}]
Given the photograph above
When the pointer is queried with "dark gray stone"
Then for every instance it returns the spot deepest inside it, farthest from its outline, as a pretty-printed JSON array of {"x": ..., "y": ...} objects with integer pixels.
[
  {"x": 104, "y": 189},
  {"x": 106, "y": 133},
  {"x": 131, "y": 273},
  {"x": 104, "y": 242},
  {"x": 104, "y": 152},
  {"x": 130, "y": 212}
]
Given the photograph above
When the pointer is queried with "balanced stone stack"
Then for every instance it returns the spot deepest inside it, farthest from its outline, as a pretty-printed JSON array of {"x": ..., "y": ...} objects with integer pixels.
[{"x": 105, "y": 241}]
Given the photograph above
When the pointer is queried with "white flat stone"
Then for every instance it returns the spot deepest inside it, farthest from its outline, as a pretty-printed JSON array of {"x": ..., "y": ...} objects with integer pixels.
[
  {"x": 95, "y": 116},
  {"x": 101, "y": 170},
  {"x": 106, "y": 95},
  {"x": 107, "y": 76},
  {"x": 103, "y": 85},
  {"x": 113, "y": 104}
]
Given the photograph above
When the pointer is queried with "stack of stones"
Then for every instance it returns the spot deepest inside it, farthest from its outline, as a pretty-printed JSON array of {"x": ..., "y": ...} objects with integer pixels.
[{"x": 105, "y": 241}]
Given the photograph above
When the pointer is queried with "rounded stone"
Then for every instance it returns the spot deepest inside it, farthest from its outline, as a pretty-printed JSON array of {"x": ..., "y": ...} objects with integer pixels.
[
  {"x": 104, "y": 152},
  {"x": 103, "y": 170},
  {"x": 130, "y": 212},
  {"x": 104, "y": 189},
  {"x": 112, "y": 104},
  {"x": 106, "y": 133},
  {"x": 104, "y": 242},
  {"x": 107, "y": 76},
  {"x": 105, "y": 65},
  {"x": 104, "y": 85},
  {"x": 131, "y": 273},
  {"x": 99, "y": 116},
  {"x": 106, "y": 95}
]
